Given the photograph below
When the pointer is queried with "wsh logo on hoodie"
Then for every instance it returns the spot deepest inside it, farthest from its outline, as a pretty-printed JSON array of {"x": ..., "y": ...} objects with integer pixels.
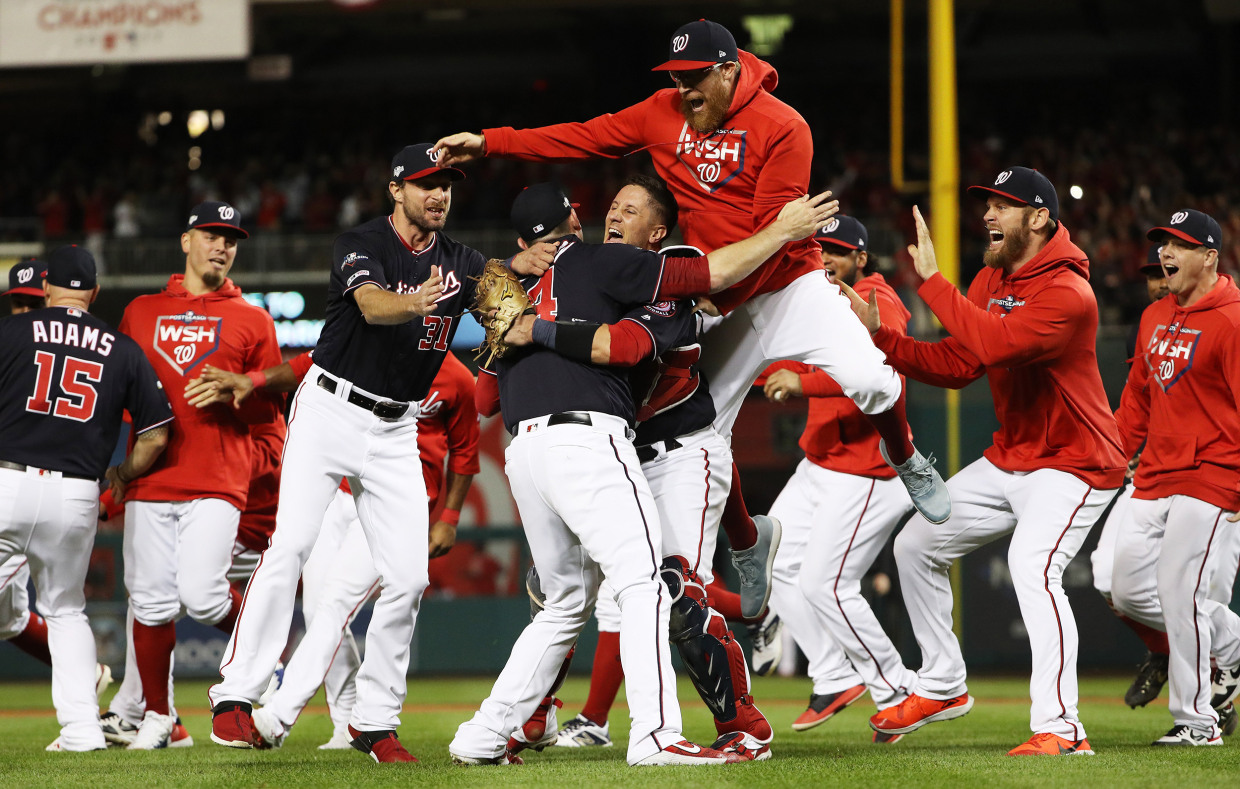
[
  {"x": 1170, "y": 353},
  {"x": 715, "y": 159},
  {"x": 187, "y": 339}
]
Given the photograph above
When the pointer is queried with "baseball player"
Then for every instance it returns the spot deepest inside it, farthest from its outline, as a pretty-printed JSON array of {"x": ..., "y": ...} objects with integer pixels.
[
  {"x": 572, "y": 457},
  {"x": 733, "y": 155},
  {"x": 1180, "y": 401},
  {"x": 1029, "y": 323},
  {"x": 339, "y": 576},
  {"x": 838, "y": 511},
  {"x": 1152, "y": 672},
  {"x": 688, "y": 466},
  {"x": 66, "y": 377},
  {"x": 397, "y": 286},
  {"x": 181, "y": 519}
]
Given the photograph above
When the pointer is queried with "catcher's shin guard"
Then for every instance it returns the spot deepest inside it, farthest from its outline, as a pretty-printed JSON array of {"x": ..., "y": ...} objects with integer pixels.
[{"x": 704, "y": 653}]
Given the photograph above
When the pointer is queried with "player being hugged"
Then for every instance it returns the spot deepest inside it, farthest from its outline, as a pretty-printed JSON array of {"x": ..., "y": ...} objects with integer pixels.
[
  {"x": 398, "y": 285},
  {"x": 66, "y": 378}
]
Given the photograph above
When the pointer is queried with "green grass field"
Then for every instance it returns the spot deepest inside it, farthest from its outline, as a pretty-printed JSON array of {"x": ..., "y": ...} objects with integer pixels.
[{"x": 970, "y": 751}]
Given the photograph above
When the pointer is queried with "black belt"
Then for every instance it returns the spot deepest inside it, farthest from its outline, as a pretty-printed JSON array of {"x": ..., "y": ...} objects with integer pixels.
[
  {"x": 384, "y": 409},
  {"x": 647, "y": 453},
  {"x": 65, "y": 474},
  {"x": 565, "y": 418}
]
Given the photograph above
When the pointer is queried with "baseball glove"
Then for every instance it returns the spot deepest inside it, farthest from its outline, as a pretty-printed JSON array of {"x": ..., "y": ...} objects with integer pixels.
[{"x": 500, "y": 299}]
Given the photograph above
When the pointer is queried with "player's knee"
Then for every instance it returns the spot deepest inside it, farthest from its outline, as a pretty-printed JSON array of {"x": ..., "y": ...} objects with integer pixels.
[
  {"x": 152, "y": 612},
  {"x": 207, "y": 606},
  {"x": 912, "y": 547},
  {"x": 874, "y": 388},
  {"x": 13, "y": 623}
]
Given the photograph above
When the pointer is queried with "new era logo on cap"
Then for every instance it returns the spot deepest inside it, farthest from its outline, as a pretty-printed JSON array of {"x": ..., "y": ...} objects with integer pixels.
[{"x": 1192, "y": 226}]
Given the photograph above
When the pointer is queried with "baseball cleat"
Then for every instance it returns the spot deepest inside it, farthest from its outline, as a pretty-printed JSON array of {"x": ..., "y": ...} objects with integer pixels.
[
  {"x": 754, "y": 566},
  {"x": 1151, "y": 676},
  {"x": 1183, "y": 735},
  {"x": 231, "y": 724},
  {"x": 767, "y": 640},
  {"x": 180, "y": 736},
  {"x": 116, "y": 729},
  {"x": 154, "y": 733},
  {"x": 269, "y": 731},
  {"x": 340, "y": 741},
  {"x": 57, "y": 746},
  {"x": 540, "y": 731},
  {"x": 687, "y": 754},
  {"x": 383, "y": 746},
  {"x": 277, "y": 679},
  {"x": 581, "y": 732},
  {"x": 103, "y": 678},
  {"x": 1227, "y": 720},
  {"x": 744, "y": 746},
  {"x": 1225, "y": 685},
  {"x": 504, "y": 759},
  {"x": 1047, "y": 744},
  {"x": 822, "y": 707},
  {"x": 883, "y": 738},
  {"x": 916, "y": 711},
  {"x": 925, "y": 487}
]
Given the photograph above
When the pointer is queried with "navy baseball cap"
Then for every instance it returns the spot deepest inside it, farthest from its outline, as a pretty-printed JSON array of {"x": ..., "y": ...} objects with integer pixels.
[
  {"x": 1191, "y": 226},
  {"x": 218, "y": 216},
  {"x": 1024, "y": 186},
  {"x": 1152, "y": 261},
  {"x": 539, "y": 208},
  {"x": 844, "y": 231},
  {"x": 26, "y": 278},
  {"x": 71, "y": 267},
  {"x": 699, "y": 44},
  {"x": 416, "y": 161}
]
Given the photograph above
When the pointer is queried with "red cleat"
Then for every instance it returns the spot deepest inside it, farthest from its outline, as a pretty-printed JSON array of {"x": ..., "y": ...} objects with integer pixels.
[
  {"x": 231, "y": 724},
  {"x": 916, "y": 711},
  {"x": 1047, "y": 744},
  {"x": 383, "y": 746},
  {"x": 823, "y": 707}
]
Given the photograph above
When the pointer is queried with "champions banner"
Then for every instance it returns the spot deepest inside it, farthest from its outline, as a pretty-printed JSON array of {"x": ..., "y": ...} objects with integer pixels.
[{"x": 86, "y": 32}]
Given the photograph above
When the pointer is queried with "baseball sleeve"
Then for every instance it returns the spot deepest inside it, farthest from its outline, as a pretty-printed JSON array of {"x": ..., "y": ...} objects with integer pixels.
[
  {"x": 145, "y": 399},
  {"x": 607, "y": 136},
  {"x": 354, "y": 265},
  {"x": 263, "y": 406},
  {"x": 461, "y": 421}
]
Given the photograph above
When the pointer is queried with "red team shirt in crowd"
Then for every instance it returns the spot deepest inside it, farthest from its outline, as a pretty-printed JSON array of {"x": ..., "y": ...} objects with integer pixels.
[
  {"x": 728, "y": 184},
  {"x": 1033, "y": 335},
  {"x": 837, "y": 435},
  {"x": 1181, "y": 399},
  {"x": 209, "y": 449}
]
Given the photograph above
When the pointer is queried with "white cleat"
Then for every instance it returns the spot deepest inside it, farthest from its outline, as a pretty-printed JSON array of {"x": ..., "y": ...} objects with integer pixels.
[
  {"x": 103, "y": 678},
  {"x": 269, "y": 727},
  {"x": 767, "y": 638},
  {"x": 686, "y": 754},
  {"x": 581, "y": 732},
  {"x": 1183, "y": 735},
  {"x": 340, "y": 741},
  {"x": 116, "y": 729},
  {"x": 154, "y": 733}
]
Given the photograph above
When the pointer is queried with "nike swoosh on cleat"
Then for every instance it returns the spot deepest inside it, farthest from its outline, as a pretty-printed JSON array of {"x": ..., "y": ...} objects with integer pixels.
[{"x": 690, "y": 748}]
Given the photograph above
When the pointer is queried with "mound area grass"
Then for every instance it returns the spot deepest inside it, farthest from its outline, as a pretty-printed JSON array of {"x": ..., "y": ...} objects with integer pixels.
[{"x": 970, "y": 751}]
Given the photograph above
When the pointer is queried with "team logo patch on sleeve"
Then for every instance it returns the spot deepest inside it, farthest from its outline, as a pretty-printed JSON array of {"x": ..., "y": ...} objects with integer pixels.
[
  {"x": 664, "y": 309},
  {"x": 185, "y": 340}
]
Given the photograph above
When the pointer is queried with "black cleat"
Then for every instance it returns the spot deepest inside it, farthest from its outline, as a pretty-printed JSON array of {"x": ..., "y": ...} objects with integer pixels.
[{"x": 1151, "y": 676}]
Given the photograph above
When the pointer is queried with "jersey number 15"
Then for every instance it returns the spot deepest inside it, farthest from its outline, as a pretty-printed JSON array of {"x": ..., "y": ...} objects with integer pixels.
[{"x": 76, "y": 377}]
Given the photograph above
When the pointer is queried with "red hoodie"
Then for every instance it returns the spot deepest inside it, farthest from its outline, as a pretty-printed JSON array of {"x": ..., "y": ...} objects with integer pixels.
[
  {"x": 1181, "y": 399},
  {"x": 208, "y": 452},
  {"x": 728, "y": 185},
  {"x": 1033, "y": 334},
  {"x": 837, "y": 435}
]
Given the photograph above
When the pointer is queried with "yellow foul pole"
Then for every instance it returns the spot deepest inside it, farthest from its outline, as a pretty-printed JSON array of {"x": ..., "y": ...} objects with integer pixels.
[{"x": 897, "y": 95}]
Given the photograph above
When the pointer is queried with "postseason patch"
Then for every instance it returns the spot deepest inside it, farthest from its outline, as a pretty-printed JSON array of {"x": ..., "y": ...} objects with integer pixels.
[{"x": 185, "y": 340}]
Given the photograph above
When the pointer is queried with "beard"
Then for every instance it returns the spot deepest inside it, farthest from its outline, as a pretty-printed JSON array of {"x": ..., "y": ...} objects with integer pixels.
[
  {"x": 213, "y": 279},
  {"x": 1011, "y": 250},
  {"x": 417, "y": 216},
  {"x": 708, "y": 119}
]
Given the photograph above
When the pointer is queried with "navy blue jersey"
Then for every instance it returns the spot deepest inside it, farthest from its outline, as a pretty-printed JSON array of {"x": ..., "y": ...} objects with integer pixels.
[
  {"x": 591, "y": 283},
  {"x": 65, "y": 379},
  {"x": 397, "y": 362},
  {"x": 672, "y": 396}
]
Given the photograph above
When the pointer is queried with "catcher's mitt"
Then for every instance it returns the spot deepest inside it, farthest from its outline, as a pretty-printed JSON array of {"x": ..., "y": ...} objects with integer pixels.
[{"x": 500, "y": 300}]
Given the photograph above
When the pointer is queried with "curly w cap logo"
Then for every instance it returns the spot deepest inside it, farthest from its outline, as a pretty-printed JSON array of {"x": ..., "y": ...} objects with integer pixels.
[
  {"x": 400, "y": 168},
  {"x": 832, "y": 226},
  {"x": 25, "y": 275},
  {"x": 227, "y": 212},
  {"x": 1178, "y": 217},
  {"x": 185, "y": 340},
  {"x": 680, "y": 42},
  {"x": 1003, "y": 176}
]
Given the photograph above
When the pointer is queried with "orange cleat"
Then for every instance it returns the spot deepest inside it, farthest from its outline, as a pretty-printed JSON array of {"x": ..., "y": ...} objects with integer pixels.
[
  {"x": 916, "y": 711},
  {"x": 1047, "y": 744},
  {"x": 883, "y": 738},
  {"x": 823, "y": 707}
]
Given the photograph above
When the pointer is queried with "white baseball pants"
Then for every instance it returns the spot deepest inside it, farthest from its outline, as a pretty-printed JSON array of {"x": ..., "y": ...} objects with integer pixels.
[
  {"x": 807, "y": 321},
  {"x": 337, "y": 580},
  {"x": 1166, "y": 558},
  {"x": 14, "y": 599},
  {"x": 588, "y": 513},
  {"x": 177, "y": 555},
  {"x": 1048, "y": 513},
  {"x": 1102, "y": 560},
  {"x": 330, "y": 438},
  {"x": 841, "y": 523},
  {"x": 52, "y": 521}
]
